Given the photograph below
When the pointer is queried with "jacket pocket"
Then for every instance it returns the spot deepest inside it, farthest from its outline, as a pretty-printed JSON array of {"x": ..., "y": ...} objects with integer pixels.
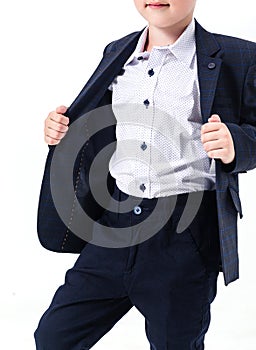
[{"x": 236, "y": 200}]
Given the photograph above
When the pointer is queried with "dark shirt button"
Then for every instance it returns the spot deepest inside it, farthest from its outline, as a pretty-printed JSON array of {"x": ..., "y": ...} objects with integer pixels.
[
  {"x": 137, "y": 210},
  {"x": 146, "y": 103},
  {"x": 151, "y": 72},
  {"x": 140, "y": 58},
  {"x": 142, "y": 187},
  {"x": 211, "y": 65},
  {"x": 144, "y": 146}
]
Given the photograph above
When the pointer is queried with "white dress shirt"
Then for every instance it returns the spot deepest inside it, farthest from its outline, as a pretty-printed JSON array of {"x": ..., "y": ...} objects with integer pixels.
[{"x": 157, "y": 106}]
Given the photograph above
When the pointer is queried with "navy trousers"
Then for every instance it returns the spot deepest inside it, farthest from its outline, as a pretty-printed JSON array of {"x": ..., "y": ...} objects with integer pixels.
[{"x": 170, "y": 278}]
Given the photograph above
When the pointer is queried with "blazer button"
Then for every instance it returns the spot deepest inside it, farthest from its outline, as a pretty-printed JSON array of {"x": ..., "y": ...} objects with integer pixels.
[
  {"x": 211, "y": 65},
  {"x": 137, "y": 210}
]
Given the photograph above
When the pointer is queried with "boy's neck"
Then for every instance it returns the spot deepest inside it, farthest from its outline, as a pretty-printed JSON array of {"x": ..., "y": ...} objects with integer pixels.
[{"x": 163, "y": 36}]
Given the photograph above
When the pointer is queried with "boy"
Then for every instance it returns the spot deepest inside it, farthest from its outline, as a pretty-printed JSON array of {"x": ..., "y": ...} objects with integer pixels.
[{"x": 206, "y": 84}]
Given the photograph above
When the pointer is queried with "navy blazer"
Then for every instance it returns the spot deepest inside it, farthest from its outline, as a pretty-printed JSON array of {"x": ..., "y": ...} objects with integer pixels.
[{"x": 227, "y": 80}]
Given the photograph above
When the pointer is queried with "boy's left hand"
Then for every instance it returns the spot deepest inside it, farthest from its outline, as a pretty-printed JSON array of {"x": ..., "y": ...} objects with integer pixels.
[{"x": 217, "y": 140}]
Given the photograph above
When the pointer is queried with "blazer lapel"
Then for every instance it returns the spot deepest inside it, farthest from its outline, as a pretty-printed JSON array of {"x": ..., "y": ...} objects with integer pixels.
[
  {"x": 109, "y": 67},
  {"x": 209, "y": 64}
]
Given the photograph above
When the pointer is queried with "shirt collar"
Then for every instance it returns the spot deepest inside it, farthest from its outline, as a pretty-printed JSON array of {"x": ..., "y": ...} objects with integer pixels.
[
  {"x": 183, "y": 48},
  {"x": 139, "y": 50}
]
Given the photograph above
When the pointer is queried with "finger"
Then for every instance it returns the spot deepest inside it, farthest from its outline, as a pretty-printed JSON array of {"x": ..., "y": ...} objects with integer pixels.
[
  {"x": 61, "y": 109},
  {"x": 213, "y": 145},
  {"x": 56, "y": 135},
  {"x": 210, "y": 127},
  {"x": 215, "y": 118},
  {"x": 210, "y": 136},
  {"x": 217, "y": 154},
  {"x": 50, "y": 141},
  {"x": 58, "y": 118},
  {"x": 52, "y": 124}
]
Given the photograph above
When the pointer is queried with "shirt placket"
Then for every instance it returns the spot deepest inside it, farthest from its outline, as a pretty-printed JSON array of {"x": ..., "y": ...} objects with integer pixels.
[{"x": 147, "y": 96}]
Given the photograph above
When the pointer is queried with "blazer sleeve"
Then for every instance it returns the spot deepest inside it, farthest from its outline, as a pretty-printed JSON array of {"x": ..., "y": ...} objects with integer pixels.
[{"x": 244, "y": 135}]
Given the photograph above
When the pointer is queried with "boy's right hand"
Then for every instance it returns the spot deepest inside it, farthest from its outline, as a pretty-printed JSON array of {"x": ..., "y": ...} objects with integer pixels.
[{"x": 56, "y": 126}]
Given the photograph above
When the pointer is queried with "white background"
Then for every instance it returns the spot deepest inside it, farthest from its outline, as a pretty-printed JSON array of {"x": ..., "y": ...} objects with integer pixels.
[{"x": 48, "y": 51}]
